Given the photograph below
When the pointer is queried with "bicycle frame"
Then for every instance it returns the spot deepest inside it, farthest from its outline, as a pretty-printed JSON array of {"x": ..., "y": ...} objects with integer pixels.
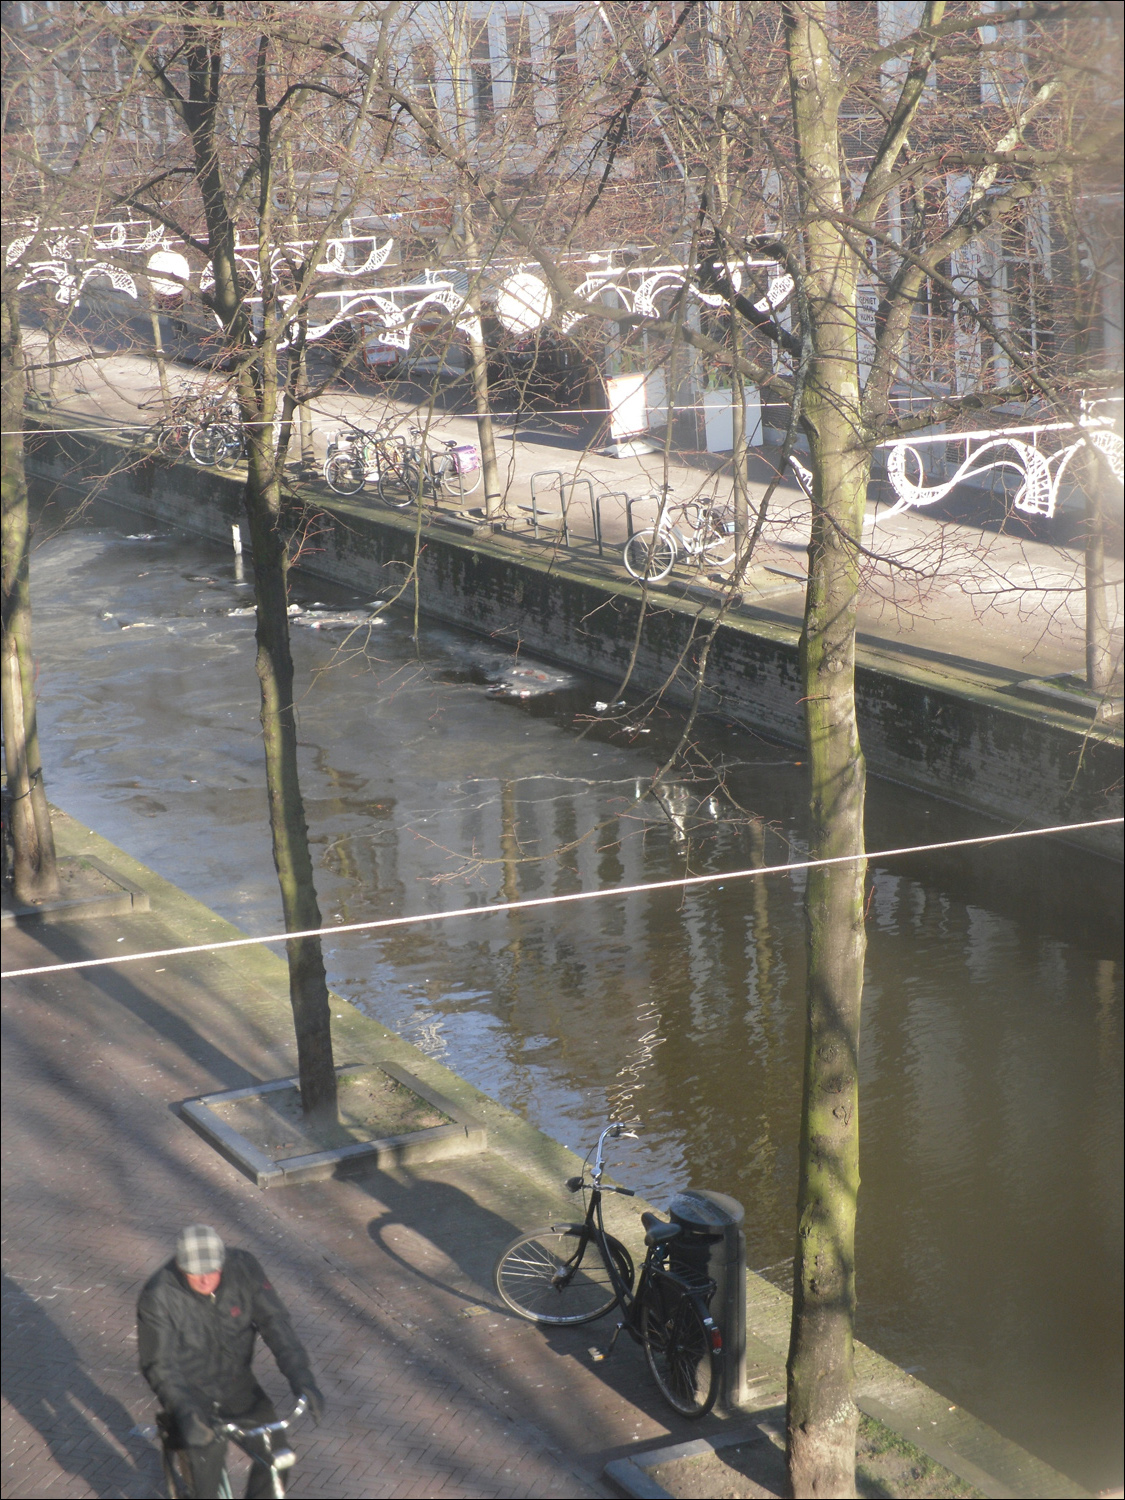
[
  {"x": 630, "y": 1298},
  {"x": 700, "y": 542}
]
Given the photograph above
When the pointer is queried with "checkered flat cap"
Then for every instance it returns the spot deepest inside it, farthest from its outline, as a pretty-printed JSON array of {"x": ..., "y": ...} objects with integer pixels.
[{"x": 199, "y": 1250}]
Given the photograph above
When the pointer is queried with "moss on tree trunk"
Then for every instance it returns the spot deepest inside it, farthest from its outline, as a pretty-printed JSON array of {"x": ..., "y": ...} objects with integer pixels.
[{"x": 34, "y": 872}]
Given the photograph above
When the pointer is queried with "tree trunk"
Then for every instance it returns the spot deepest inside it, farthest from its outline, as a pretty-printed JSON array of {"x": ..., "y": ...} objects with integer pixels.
[
  {"x": 158, "y": 354},
  {"x": 821, "y": 1417},
  {"x": 34, "y": 871},
  {"x": 1099, "y": 654},
  {"x": 478, "y": 362},
  {"x": 308, "y": 987}
]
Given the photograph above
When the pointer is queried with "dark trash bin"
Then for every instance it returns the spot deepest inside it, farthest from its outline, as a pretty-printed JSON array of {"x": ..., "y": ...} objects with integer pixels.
[{"x": 713, "y": 1247}]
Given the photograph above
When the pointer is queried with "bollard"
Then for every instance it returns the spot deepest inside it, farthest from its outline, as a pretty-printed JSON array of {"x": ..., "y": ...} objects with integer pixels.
[{"x": 714, "y": 1245}]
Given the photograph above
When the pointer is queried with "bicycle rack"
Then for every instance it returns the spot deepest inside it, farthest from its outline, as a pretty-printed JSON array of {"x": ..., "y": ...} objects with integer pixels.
[
  {"x": 599, "y": 500},
  {"x": 554, "y": 515},
  {"x": 570, "y": 486}
]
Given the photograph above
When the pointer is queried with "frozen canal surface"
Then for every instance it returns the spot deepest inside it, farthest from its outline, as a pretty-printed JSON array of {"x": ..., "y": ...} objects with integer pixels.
[{"x": 990, "y": 1224}]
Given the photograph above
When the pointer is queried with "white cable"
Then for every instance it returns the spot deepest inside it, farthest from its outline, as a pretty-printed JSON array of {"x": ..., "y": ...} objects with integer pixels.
[{"x": 681, "y": 883}]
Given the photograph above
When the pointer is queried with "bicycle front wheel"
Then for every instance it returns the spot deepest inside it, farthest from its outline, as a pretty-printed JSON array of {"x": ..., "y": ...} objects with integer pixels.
[
  {"x": 649, "y": 555},
  {"x": 177, "y": 1474},
  {"x": 344, "y": 473},
  {"x": 228, "y": 446},
  {"x": 557, "y": 1276},
  {"x": 398, "y": 482},
  {"x": 173, "y": 439},
  {"x": 678, "y": 1347}
]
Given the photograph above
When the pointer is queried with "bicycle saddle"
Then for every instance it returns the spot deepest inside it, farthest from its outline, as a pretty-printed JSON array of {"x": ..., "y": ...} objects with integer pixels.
[{"x": 657, "y": 1232}]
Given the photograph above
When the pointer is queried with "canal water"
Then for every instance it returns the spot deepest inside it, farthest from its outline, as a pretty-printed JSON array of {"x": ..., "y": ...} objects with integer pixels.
[{"x": 448, "y": 772}]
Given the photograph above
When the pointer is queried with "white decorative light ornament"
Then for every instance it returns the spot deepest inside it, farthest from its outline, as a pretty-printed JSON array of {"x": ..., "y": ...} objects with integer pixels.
[
  {"x": 523, "y": 303},
  {"x": 172, "y": 263}
]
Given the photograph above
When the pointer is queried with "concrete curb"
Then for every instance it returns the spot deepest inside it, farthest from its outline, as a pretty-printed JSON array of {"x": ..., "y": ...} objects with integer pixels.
[{"x": 633, "y": 1476}]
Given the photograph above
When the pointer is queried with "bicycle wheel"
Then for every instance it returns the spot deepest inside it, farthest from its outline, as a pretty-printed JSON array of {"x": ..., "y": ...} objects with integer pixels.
[
  {"x": 173, "y": 439},
  {"x": 557, "y": 1275},
  {"x": 228, "y": 445},
  {"x": 678, "y": 1348},
  {"x": 345, "y": 473},
  {"x": 204, "y": 444},
  {"x": 401, "y": 481},
  {"x": 452, "y": 480},
  {"x": 177, "y": 1473},
  {"x": 649, "y": 555}
]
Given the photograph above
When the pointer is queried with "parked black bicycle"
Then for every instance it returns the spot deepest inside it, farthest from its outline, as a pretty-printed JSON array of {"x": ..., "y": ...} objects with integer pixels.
[{"x": 573, "y": 1273}]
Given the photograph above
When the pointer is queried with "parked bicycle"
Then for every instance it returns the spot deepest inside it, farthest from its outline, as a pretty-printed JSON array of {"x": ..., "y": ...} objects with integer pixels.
[
  {"x": 569, "y": 1274},
  {"x": 216, "y": 441},
  {"x": 266, "y": 1443},
  {"x": 171, "y": 433},
  {"x": 696, "y": 530},
  {"x": 403, "y": 471}
]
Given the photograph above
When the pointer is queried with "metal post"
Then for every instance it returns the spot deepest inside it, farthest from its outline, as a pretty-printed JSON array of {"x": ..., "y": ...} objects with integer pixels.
[{"x": 715, "y": 1220}]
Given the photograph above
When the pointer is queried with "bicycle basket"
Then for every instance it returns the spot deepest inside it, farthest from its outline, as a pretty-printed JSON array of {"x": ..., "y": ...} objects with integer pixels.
[{"x": 466, "y": 458}]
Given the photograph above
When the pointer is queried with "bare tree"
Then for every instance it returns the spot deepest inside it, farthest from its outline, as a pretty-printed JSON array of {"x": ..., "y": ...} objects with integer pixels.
[{"x": 225, "y": 111}]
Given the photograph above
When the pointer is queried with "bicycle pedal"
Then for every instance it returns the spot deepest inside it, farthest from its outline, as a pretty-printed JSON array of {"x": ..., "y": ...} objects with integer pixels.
[{"x": 597, "y": 1355}]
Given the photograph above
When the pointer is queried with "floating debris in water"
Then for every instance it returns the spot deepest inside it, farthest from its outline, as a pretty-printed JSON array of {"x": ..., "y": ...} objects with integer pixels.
[
  {"x": 526, "y": 681},
  {"x": 335, "y": 619}
]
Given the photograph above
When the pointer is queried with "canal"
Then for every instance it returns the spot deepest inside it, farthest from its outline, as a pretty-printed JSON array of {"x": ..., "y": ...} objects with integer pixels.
[{"x": 446, "y": 772}]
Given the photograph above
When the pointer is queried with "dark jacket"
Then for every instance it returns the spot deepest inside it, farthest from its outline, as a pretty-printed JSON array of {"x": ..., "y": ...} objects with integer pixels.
[{"x": 197, "y": 1351}]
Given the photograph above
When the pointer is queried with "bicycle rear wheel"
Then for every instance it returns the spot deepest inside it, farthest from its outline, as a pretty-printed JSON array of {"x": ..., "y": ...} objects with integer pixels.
[
  {"x": 649, "y": 555},
  {"x": 455, "y": 482},
  {"x": 344, "y": 473},
  {"x": 557, "y": 1275},
  {"x": 679, "y": 1348}
]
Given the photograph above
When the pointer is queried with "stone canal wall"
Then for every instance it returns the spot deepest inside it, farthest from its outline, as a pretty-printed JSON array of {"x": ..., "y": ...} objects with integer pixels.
[{"x": 921, "y": 723}]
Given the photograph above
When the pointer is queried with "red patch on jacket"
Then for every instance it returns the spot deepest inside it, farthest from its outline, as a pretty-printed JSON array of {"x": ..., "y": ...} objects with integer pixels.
[{"x": 236, "y": 1312}]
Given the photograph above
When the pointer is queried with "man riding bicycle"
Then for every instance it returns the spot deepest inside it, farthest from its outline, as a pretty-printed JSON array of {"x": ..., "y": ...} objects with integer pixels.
[{"x": 197, "y": 1320}]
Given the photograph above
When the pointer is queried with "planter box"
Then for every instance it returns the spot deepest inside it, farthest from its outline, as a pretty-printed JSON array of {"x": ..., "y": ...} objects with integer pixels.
[
  {"x": 463, "y": 1137},
  {"x": 115, "y": 898}
]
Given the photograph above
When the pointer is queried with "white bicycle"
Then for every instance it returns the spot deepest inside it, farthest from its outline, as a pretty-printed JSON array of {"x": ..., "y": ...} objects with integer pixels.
[{"x": 696, "y": 530}]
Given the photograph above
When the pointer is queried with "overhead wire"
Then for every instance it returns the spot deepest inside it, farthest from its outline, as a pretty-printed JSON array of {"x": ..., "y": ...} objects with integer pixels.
[{"x": 683, "y": 882}]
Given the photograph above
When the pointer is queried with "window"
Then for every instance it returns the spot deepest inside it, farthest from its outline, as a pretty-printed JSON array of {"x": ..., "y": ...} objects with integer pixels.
[
  {"x": 480, "y": 76},
  {"x": 564, "y": 57},
  {"x": 520, "y": 78}
]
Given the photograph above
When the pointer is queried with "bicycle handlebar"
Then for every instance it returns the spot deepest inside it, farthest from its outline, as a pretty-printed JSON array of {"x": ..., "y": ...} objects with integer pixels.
[{"x": 232, "y": 1429}]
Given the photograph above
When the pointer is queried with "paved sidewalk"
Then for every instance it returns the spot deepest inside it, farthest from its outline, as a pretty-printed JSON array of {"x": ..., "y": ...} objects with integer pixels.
[{"x": 431, "y": 1390}]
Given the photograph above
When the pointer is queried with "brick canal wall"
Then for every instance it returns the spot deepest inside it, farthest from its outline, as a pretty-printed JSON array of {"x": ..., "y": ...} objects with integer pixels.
[{"x": 952, "y": 737}]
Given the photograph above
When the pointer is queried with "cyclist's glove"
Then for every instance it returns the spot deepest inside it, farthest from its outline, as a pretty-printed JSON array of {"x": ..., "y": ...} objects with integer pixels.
[
  {"x": 315, "y": 1400},
  {"x": 195, "y": 1432}
]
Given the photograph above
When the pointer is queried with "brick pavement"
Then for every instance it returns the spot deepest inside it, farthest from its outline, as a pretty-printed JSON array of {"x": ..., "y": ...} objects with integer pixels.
[{"x": 432, "y": 1391}]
